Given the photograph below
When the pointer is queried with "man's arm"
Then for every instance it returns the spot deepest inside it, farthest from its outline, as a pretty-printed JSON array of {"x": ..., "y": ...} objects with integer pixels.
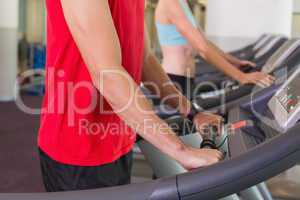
[
  {"x": 201, "y": 44},
  {"x": 92, "y": 27}
]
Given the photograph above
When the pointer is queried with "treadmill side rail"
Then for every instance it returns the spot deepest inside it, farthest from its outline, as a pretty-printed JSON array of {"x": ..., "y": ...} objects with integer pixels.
[
  {"x": 281, "y": 55},
  {"x": 163, "y": 189},
  {"x": 244, "y": 171}
]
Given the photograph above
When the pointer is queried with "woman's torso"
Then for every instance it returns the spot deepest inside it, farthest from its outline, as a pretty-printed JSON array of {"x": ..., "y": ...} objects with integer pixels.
[
  {"x": 178, "y": 57},
  {"x": 179, "y": 60}
]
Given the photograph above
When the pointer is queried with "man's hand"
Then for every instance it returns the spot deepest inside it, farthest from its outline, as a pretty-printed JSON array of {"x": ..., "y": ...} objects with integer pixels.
[
  {"x": 193, "y": 158},
  {"x": 258, "y": 78},
  {"x": 203, "y": 122}
]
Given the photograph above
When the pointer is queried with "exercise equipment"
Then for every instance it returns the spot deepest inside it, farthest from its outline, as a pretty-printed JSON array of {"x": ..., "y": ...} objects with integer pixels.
[
  {"x": 216, "y": 80},
  {"x": 284, "y": 104},
  {"x": 249, "y": 51},
  {"x": 245, "y": 53},
  {"x": 250, "y": 137},
  {"x": 285, "y": 58},
  {"x": 250, "y": 161},
  {"x": 254, "y": 154},
  {"x": 265, "y": 47}
]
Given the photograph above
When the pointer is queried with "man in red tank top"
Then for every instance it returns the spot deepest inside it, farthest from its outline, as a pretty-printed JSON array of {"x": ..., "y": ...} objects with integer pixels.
[{"x": 93, "y": 106}]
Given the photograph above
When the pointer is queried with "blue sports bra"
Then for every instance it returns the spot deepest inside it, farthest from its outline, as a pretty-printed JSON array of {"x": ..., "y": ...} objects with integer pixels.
[{"x": 168, "y": 34}]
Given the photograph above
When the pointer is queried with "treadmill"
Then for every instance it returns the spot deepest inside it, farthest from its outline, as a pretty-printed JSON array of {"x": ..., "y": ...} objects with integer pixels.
[
  {"x": 249, "y": 162},
  {"x": 287, "y": 55},
  {"x": 246, "y": 53},
  {"x": 285, "y": 58},
  {"x": 210, "y": 81},
  {"x": 262, "y": 45},
  {"x": 242, "y": 141},
  {"x": 249, "y": 51}
]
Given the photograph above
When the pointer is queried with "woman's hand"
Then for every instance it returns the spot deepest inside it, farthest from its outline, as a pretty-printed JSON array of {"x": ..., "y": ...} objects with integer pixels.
[
  {"x": 258, "y": 78},
  {"x": 238, "y": 62},
  {"x": 246, "y": 63},
  {"x": 204, "y": 121}
]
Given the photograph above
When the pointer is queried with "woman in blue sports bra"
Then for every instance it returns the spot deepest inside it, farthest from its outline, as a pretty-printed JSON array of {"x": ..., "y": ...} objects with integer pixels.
[{"x": 180, "y": 39}]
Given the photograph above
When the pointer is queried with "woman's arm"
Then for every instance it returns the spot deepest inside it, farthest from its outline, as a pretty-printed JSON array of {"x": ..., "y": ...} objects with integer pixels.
[
  {"x": 197, "y": 39},
  {"x": 233, "y": 60}
]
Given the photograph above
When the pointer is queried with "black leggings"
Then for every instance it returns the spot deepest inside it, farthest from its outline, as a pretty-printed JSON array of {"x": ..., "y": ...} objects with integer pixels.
[{"x": 184, "y": 84}]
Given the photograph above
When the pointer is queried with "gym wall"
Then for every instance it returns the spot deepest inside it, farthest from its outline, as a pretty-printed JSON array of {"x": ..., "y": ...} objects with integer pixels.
[
  {"x": 249, "y": 18},
  {"x": 8, "y": 48},
  {"x": 296, "y": 19},
  {"x": 35, "y": 21}
]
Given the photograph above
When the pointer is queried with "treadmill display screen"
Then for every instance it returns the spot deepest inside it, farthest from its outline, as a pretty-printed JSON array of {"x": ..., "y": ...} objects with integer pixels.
[
  {"x": 285, "y": 105},
  {"x": 289, "y": 97}
]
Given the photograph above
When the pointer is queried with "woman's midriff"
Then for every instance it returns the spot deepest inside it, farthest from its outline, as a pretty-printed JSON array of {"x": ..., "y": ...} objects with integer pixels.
[{"x": 179, "y": 60}]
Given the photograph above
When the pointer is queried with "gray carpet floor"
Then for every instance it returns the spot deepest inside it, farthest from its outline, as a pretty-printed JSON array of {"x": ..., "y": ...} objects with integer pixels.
[
  {"x": 19, "y": 168},
  {"x": 19, "y": 161}
]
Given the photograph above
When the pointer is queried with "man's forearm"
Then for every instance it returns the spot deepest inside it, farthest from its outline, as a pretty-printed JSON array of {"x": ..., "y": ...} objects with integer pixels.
[{"x": 137, "y": 112}]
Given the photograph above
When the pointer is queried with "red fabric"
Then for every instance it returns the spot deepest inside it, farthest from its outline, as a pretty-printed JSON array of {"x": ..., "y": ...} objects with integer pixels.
[{"x": 73, "y": 136}]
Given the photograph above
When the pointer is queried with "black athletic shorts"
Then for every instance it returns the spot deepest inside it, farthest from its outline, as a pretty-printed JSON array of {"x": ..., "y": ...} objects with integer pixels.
[{"x": 59, "y": 177}]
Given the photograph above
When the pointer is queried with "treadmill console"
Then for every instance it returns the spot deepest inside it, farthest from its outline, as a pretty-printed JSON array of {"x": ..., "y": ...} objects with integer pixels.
[{"x": 285, "y": 104}]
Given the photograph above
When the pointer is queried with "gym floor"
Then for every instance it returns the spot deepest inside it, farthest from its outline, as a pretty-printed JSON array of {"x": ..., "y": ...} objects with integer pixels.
[{"x": 20, "y": 172}]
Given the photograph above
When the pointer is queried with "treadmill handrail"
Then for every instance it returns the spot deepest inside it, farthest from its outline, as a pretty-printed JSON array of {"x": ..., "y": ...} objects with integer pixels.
[
  {"x": 268, "y": 47},
  {"x": 244, "y": 92},
  {"x": 281, "y": 55},
  {"x": 162, "y": 189},
  {"x": 239, "y": 173},
  {"x": 261, "y": 43},
  {"x": 220, "y": 180}
]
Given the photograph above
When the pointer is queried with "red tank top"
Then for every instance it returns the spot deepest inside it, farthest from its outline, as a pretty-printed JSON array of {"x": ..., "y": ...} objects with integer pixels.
[{"x": 74, "y": 128}]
